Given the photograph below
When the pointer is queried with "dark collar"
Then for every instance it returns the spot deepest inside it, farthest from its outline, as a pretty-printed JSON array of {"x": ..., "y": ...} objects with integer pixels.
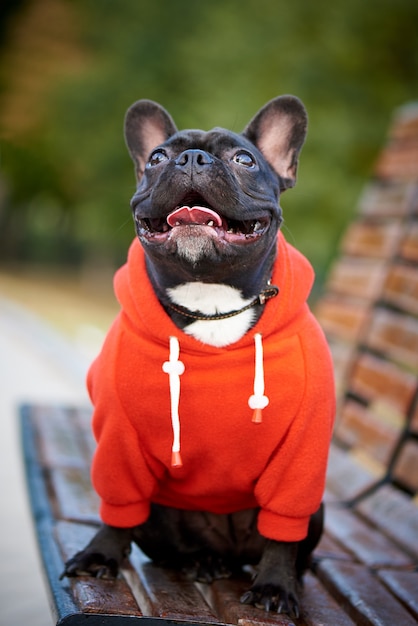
[{"x": 270, "y": 292}]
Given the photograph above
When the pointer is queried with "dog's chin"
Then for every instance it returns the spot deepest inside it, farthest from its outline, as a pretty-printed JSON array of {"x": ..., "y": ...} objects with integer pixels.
[{"x": 195, "y": 244}]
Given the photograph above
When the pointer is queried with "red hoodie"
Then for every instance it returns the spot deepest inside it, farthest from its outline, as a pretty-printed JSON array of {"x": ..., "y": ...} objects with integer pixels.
[{"x": 229, "y": 462}]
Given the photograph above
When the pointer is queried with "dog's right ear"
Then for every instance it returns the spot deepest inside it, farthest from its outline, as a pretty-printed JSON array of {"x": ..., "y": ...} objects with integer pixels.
[{"x": 147, "y": 125}]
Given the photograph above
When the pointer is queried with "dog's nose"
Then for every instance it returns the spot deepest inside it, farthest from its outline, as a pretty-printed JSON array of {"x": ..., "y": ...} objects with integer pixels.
[{"x": 194, "y": 161}]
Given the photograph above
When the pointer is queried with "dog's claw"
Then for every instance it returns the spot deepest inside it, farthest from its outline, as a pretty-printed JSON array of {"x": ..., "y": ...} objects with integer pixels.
[
  {"x": 272, "y": 599},
  {"x": 91, "y": 564},
  {"x": 282, "y": 606},
  {"x": 247, "y": 597},
  {"x": 267, "y": 602}
]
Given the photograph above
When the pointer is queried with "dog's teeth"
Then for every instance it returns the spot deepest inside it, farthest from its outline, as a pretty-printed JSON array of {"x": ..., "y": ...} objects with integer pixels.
[{"x": 211, "y": 223}]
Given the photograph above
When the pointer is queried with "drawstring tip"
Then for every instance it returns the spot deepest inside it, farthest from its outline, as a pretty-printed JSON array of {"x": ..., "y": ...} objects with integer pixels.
[
  {"x": 257, "y": 416},
  {"x": 176, "y": 460}
]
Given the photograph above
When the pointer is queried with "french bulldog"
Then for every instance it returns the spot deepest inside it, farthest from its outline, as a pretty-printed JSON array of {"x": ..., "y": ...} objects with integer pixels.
[{"x": 201, "y": 279}]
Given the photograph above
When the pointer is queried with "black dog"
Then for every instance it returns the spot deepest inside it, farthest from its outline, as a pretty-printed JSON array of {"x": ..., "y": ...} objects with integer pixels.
[{"x": 202, "y": 286}]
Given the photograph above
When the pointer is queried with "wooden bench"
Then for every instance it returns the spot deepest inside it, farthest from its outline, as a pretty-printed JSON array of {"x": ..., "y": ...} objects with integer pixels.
[{"x": 365, "y": 569}]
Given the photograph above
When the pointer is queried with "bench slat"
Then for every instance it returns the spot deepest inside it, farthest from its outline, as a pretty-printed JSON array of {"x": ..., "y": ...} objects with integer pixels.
[
  {"x": 224, "y": 596},
  {"x": 165, "y": 594},
  {"x": 323, "y": 608},
  {"x": 75, "y": 498},
  {"x": 374, "y": 378},
  {"x": 395, "y": 514},
  {"x": 405, "y": 470},
  {"x": 368, "y": 602},
  {"x": 344, "y": 318},
  {"x": 399, "y": 160},
  {"x": 396, "y": 335},
  {"x": 372, "y": 239},
  {"x": 359, "y": 278},
  {"x": 409, "y": 247},
  {"x": 348, "y": 475},
  {"x": 390, "y": 199},
  {"x": 404, "y": 585},
  {"x": 401, "y": 287},
  {"x": 375, "y": 432},
  {"x": 368, "y": 546}
]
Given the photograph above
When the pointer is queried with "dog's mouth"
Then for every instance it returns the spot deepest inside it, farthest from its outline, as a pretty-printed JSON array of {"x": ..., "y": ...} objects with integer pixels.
[{"x": 194, "y": 211}]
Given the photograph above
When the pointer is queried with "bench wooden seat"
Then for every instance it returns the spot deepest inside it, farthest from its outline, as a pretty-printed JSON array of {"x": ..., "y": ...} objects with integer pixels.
[{"x": 365, "y": 569}]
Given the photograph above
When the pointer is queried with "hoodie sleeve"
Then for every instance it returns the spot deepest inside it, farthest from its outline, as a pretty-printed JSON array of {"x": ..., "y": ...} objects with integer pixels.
[
  {"x": 290, "y": 489},
  {"x": 119, "y": 472}
]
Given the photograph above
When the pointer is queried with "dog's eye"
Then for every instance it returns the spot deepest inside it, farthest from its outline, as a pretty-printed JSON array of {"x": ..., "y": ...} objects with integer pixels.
[
  {"x": 158, "y": 156},
  {"x": 244, "y": 158}
]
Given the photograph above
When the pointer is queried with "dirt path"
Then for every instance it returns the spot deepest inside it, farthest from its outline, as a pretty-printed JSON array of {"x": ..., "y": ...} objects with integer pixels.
[{"x": 41, "y": 359}]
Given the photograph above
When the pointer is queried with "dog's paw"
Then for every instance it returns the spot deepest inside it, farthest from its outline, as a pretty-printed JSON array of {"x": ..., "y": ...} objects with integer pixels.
[
  {"x": 103, "y": 556},
  {"x": 86, "y": 563},
  {"x": 273, "y": 598},
  {"x": 206, "y": 569}
]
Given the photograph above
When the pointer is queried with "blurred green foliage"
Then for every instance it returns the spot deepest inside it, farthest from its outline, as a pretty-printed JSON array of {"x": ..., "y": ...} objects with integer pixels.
[{"x": 209, "y": 63}]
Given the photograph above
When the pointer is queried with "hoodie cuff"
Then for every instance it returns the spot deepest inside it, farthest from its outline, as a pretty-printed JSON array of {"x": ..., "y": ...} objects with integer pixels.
[
  {"x": 282, "y": 528},
  {"x": 124, "y": 516}
]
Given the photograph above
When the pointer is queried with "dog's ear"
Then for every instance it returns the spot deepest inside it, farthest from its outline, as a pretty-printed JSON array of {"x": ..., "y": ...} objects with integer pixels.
[
  {"x": 147, "y": 125},
  {"x": 278, "y": 130}
]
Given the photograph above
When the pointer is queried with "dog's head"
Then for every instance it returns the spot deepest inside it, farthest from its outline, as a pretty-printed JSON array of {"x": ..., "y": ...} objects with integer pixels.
[{"x": 206, "y": 197}]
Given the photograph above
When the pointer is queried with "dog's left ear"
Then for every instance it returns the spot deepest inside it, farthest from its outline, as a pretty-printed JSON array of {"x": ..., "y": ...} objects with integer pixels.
[
  {"x": 278, "y": 130},
  {"x": 147, "y": 125}
]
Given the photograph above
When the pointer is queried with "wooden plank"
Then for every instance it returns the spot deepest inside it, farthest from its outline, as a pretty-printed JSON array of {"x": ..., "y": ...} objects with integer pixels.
[
  {"x": 396, "y": 335},
  {"x": 165, "y": 594},
  {"x": 343, "y": 354},
  {"x": 405, "y": 470},
  {"x": 63, "y": 447},
  {"x": 348, "y": 476},
  {"x": 375, "y": 379},
  {"x": 224, "y": 595},
  {"x": 366, "y": 600},
  {"x": 405, "y": 124},
  {"x": 374, "y": 430},
  {"x": 404, "y": 586},
  {"x": 323, "y": 608},
  {"x": 401, "y": 288},
  {"x": 57, "y": 437},
  {"x": 342, "y": 317},
  {"x": 318, "y": 608},
  {"x": 74, "y": 496},
  {"x": 399, "y": 160},
  {"x": 82, "y": 418},
  {"x": 395, "y": 514},
  {"x": 64, "y": 604},
  {"x": 329, "y": 548},
  {"x": 390, "y": 199},
  {"x": 409, "y": 246},
  {"x": 358, "y": 277},
  {"x": 372, "y": 548},
  {"x": 414, "y": 420},
  {"x": 378, "y": 240},
  {"x": 92, "y": 595}
]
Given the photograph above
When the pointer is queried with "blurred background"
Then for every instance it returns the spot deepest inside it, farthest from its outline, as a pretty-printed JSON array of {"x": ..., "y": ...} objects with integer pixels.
[{"x": 68, "y": 71}]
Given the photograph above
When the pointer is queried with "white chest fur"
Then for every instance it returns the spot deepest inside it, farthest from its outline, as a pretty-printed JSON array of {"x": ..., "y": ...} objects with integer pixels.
[{"x": 211, "y": 299}]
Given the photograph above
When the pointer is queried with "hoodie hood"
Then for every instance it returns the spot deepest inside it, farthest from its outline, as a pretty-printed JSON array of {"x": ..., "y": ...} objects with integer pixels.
[{"x": 292, "y": 274}]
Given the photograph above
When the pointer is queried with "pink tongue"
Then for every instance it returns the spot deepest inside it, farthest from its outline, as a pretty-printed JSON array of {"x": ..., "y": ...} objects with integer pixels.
[{"x": 194, "y": 215}]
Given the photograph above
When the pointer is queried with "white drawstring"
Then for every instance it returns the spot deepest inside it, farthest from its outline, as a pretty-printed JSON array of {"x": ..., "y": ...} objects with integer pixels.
[
  {"x": 258, "y": 401},
  {"x": 175, "y": 368}
]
